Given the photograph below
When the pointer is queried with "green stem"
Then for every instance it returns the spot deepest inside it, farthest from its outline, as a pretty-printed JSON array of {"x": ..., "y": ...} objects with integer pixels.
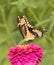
[
  {"x": 4, "y": 20},
  {"x": 35, "y": 17},
  {"x": 5, "y": 24}
]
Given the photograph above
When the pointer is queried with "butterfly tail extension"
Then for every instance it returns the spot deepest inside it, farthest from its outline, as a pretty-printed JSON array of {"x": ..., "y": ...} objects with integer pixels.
[{"x": 43, "y": 31}]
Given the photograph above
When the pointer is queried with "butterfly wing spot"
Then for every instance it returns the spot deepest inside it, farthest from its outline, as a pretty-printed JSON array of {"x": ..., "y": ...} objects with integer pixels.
[
  {"x": 29, "y": 25},
  {"x": 22, "y": 21}
]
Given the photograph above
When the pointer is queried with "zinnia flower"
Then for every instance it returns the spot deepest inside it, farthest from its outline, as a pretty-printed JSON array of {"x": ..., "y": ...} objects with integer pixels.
[{"x": 30, "y": 54}]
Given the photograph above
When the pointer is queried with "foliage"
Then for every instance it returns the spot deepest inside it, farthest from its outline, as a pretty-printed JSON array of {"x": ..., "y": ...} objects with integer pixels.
[{"x": 40, "y": 13}]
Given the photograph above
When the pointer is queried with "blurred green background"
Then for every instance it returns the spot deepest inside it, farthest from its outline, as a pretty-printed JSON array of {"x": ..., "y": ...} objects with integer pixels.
[{"x": 41, "y": 15}]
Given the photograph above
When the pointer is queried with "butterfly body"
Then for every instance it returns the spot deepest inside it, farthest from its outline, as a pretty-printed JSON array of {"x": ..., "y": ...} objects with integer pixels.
[{"x": 27, "y": 30}]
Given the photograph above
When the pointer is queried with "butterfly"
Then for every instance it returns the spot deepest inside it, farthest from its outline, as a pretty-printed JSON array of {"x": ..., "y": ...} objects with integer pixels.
[{"x": 27, "y": 30}]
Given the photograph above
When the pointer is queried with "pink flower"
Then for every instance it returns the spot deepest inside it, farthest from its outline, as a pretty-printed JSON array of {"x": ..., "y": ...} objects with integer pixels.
[{"x": 30, "y": 54}]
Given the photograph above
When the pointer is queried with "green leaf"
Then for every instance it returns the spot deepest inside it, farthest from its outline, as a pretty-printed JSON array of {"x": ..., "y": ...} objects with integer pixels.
[{"x": 22, "y": 4}]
